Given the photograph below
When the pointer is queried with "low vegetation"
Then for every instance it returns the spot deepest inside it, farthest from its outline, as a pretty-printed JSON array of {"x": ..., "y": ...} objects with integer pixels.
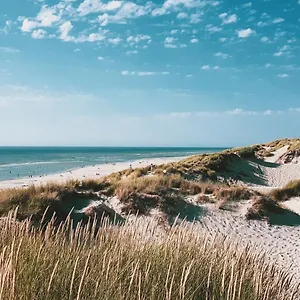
[
  {"x": 292, "y": 189},
  {"x": 267, "y": 150},
  {"x": 261, "y": 208},
  {"x": 142, "y": 189},
  {"x": 113, "y": 263}
]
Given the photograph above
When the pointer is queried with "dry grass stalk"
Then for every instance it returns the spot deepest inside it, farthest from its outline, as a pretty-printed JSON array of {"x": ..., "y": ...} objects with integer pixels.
[{"x": 115, "y": 263}]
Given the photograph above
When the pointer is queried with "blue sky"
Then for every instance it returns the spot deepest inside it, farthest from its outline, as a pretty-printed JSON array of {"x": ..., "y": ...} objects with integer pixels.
[{"x": 149, "y": 73}]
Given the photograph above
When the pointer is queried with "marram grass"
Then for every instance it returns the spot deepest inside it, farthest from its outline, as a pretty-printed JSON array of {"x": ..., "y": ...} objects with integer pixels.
[{"x": 115, "y": 263}]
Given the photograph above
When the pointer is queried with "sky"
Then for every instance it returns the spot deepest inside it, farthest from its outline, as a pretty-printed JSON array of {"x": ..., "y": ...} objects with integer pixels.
[{"x": 149, "y": 73}]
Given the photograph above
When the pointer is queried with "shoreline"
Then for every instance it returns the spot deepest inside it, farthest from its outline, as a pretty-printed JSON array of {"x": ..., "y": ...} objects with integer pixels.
[{"x": 89, "y": 172}]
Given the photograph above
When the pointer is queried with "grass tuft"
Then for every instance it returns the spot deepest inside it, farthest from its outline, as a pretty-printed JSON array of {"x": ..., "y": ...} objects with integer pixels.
[
  {"x": 292, "y": 189},
  {"x": 114, "y": 263}
]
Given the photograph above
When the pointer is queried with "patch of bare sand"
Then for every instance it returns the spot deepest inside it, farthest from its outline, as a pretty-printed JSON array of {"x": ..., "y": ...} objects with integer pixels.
[
  {"x": 277, "y": 154},
  {"x": 293, "y": 205},
  {"x": 280, "y": 242}
]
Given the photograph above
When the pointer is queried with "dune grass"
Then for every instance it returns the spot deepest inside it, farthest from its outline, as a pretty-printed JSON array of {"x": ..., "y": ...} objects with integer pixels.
[
  {"x": 292, "y": 189},
  {"x": 33, "y": 201},
  {"x": 261, "y": 208},
  {"x": 137, "y": 194},
  {"x": 113, "y": 263},
  {"x": 141, "y": 189}
]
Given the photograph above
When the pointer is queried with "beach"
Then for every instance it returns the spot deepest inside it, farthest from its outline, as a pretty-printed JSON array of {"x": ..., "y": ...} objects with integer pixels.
[
  {"x": 89, "y": 172},
  {"x": 279, "y": 240}
]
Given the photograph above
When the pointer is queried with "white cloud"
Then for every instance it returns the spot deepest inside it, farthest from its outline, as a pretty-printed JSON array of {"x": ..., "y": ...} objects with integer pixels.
[
  {"x": 213, "y": 29},
  {"x": 205, "y": 67},
  {"x": 173, "y": 31},
  {"x": 279, "y": 53},
  {"x": 7, "y": 27},
  {"x": 264, "y": 39},
  {"x": 100, "y": 58},
  {"x": 170, "y": 40},
  {"x": 94, "y": 6},
  {"x": 168, "y": 43},
  {"x": 277, "y": 21},
  {"x": 233, "y": 112},
  {"x": 138, "y": 38},
  {"x": 194, "y": 40},
  {"x": 39, "y": 34},
  {"x": 146, "y": 73},
  {"x": 170, "y": 46},
  {"x": 222, "y": 55},
  {"x": 244, "y": 33},
  {"x": 91, "y": 38},
  {"x": 228, "y": 19},
  {"x": 195, "y": 18},
  {"x": 262, "y": 24},
  {"x": 159, "y": 11},
  {"x": 125, "y": 73},
  {"x": 208, "y": 67},
  {"x": 65, "y": 30},
  {"x": 28, "y": 25},
  {"x": 187, "y": 3},
  {"x": 47, "y": 16},
  {"x": 265, "y": 16},
  {"x": 130, "y": 52},
  {"x": 9, "y": 50},
  {"x": 222, "y": 39},
  {"x": 283, "y": 75},
  {"x": 114, "y": 41},
  {"x": 223, "y": 15},
  {"x": 268, "y": 65},
  {"x": 128, "y": 10},
  {"x": 246, "y": 5},
  {"x": 182, "y": 15}
]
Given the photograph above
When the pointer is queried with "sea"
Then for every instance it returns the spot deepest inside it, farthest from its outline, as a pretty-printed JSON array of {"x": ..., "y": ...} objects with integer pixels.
[{"x": 22, "y": 162}]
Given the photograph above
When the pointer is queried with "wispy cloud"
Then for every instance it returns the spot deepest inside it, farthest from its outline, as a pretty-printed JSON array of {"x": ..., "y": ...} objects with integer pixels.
[
  {"x": 278, "y": 20},
  {"x": 222, "y": 55},
  {"x": 208, "y": 67},
  {"x": 17, "y": 95},
  {"x": 7, "y": 27},
  {"x": 213, "y": 29},
  {"x": 283, "y": 75},
  {"x": 9, "y": 50},
  {"x": 228, "y": 19},
  {"x": 265, "y": 39},
  {"x": 143, "y": 73},
  {"x": 233, "y": 112}
]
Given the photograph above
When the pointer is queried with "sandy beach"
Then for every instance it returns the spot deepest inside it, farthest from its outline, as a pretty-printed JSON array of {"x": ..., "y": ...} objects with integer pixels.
[{"x": 89, "y": 172}]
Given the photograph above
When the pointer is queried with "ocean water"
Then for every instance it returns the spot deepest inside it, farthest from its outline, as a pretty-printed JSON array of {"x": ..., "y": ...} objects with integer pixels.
[{"x": 22, "y": 162}]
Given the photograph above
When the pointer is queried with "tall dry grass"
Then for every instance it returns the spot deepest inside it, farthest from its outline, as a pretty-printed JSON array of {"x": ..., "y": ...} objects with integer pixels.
[
  {"x": 114, "y": 263},
  {"x": 292, "y": 189}
]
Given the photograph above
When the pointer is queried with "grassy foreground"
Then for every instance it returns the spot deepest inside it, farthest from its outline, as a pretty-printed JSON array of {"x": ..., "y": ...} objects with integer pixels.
[{"x": 113, "y": 263}]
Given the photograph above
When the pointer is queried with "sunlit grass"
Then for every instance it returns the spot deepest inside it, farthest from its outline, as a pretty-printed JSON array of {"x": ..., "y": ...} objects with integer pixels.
[{"x": 115, "y": 263}]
